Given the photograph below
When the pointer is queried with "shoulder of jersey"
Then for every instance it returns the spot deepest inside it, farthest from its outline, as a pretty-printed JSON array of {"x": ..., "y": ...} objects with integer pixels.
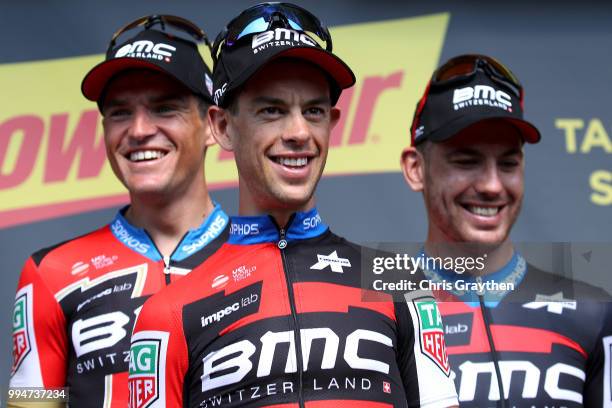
[
  {"x": 74, "y": 259},
  {"x": 580, "y": 290},
  {"x": 68, "y": 249}
]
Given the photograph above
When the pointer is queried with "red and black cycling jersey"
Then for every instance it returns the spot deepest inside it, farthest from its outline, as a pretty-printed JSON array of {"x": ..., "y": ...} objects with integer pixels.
[
  {"x": 76, "y": 304},
  {"x": 277, "y": 317},
  {"x": 546, "y": 343}
]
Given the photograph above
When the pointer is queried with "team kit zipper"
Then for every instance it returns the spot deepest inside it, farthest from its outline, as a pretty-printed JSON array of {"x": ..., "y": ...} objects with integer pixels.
[
  {"x": 485, "y": 310},
  {"x": 212, "y": 228},
  {"x": 167, "y": 260},
  {"x": 282, "y": 246},
  {"x": 487, "y": 321}
]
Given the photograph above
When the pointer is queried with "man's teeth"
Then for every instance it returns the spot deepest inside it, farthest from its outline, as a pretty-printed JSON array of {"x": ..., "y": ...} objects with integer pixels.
[
  {"x": 292, "y": 162},
  {"x": 146, "y": 155},
  {"x": 484, "y": 211}
]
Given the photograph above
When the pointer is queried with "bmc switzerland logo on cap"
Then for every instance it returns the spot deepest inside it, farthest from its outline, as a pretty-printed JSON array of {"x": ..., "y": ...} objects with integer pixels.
[
  {"x": 280, "y": 37},
  {"x": 481, "y": 95},
  {"x": 147, "y": 50}
]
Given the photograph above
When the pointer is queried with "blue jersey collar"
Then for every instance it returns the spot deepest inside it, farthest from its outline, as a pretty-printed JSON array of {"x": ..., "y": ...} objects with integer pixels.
[
  {"x": 137, "y": 239},
  {"x": 513, "y": 272},
  {"x": 263, "y": 228}
]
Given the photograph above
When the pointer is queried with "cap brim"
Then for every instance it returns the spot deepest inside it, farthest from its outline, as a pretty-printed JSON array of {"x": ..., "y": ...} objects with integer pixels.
[
  {"x": 334, "y": 66},
  {"x": 97, "y": 78},
  {"x": 528, "y": 131}
]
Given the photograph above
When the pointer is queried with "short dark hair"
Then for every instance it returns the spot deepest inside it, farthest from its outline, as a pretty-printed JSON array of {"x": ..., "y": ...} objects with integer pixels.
[
  {"x": 231, "y": 101},
  {"x": 423, "y": 147},
  {"x": 203, "y": 105}
]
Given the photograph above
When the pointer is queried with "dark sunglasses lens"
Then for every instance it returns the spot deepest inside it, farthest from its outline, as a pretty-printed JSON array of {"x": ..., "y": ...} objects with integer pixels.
[
  {"x": 502, "y": 71},
  {"x": 127, "y": 27},
  {"x": 186, "y": 26},
  {"x": 455, "y": 69},
  {"x": 261, "y": 24},
  {"x": 258, "y": 25},
  {"x": 466, "y": 65},
  {"x": 173, "y": 21},
  {"x": 259, "y": 18}
]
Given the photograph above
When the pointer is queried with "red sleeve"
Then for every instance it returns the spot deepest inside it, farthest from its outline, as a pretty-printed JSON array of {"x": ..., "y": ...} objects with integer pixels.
[
  {"x": 158, "y": 356},
  {"x": 40, "y": 343}
]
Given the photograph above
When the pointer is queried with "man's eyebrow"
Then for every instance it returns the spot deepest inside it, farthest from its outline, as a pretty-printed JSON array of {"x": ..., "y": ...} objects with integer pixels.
[
  {"x": 270, "y": 100},
  {"x": 465, "y": 151},
  {"x": 513, "y": 151},
  {"x": 468, "y": 151},
  {"x": 169, "y": 97},
  {"x": 114, "y": 102},
  {"x": 120, "y": 101},
  {"x": 319, "y": 101}
]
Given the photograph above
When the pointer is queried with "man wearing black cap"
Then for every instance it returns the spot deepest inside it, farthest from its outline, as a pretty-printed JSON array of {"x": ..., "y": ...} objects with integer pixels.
[
  {"x": 516, "y": 336},
  {"x": 277, "y": 315},
  {"x": 77, "y": 301}
]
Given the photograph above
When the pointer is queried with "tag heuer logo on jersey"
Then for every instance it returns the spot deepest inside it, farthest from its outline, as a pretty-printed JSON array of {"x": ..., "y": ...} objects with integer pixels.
[
  {"x": 144, "y": 373},
  {"x": 432, "y": 333},
  {"x": 21, "y": 340},
  {"x": 333, "y": 261}
]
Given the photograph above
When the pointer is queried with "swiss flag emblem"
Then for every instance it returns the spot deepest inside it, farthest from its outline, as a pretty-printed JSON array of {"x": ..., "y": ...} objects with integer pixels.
[{"x": 386, "y": 387}]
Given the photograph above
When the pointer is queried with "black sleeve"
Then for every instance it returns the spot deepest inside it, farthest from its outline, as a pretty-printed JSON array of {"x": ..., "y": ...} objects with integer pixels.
[{"x": 597, "y": 382}]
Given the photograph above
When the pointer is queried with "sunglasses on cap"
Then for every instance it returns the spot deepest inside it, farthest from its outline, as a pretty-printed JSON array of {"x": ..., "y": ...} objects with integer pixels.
[
  {"x": 266, "y": 16},
  {"x": 175, "y": 22},
  {"x": 465, "y": 66}
]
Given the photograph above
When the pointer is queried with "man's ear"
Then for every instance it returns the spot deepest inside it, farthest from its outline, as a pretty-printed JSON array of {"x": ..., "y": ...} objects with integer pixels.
[
  {"x": 209, "y": 140},
  {"x": 413, "y": 167},
  {"x": 218, "y": 120}
]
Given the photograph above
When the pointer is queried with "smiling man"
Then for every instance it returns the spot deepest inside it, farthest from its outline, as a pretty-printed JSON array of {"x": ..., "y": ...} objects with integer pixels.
[
  {"x": 279, "y": 132},
  {"x": 276, "y": 317},
  {"x": 543, "y": 340},
  {"x": 77, "y": 301}
]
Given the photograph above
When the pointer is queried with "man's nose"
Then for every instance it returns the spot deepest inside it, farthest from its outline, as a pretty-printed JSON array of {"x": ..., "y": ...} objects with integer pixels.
[
  {"x": 142, "y": 125},
  {"x": 489, "y": 180},
  {"x": 297, "y": 129}
]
